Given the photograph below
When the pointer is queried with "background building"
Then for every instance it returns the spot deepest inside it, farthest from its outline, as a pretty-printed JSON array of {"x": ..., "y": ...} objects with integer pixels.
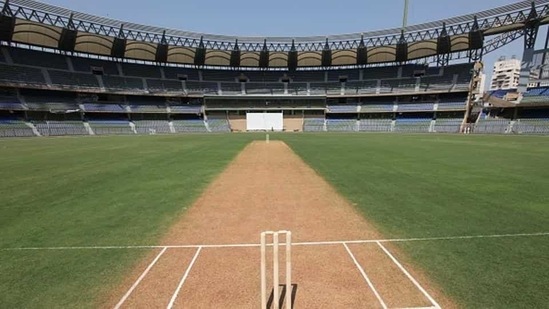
[{"x": 506, "y": 74}]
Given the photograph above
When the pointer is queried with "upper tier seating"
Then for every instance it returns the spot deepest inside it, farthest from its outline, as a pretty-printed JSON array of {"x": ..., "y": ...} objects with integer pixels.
[
  {"x": 186, "y": 109},
  {"x": 264, "y": 88},
  {"x": 122, "y": 83},
  {"x": 73, "y": 80},
  {"x": 335, "y": 75},
  {"x": 178, "y": 73},
  {"x": 263, "y": 76},
  {"x": 138, "y": 70},
  {"x": 9, "y": 101},
  {"x": 86, "y": 64},
  {"x": 361, "y": 87},
  {"x": 220, "y": 75},
  {"x": 307, "y": 76},
  {"x": 342, "y": 108},
  {"x": 403, "y": 107},
  {"x": 38, "y": 58},
  {"x": 371, "y": 108},
  {"x": 164, "y": 85},
  {"x": 104, "y": 108},
  {"x": 446, "y": 106},
  {"x": 24, "y": 75},
  {"x": 380, "y": 73}
]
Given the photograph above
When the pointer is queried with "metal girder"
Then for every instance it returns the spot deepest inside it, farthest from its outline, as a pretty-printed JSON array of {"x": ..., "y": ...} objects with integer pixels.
[
  {"x": 502, "y": 40},
  {"x": 494, "y": 20}
]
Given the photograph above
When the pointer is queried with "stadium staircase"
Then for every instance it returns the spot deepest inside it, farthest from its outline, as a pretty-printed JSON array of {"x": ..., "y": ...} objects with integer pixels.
[
  {"x": 88, "y": 128},
  {"x": 33, "y": 128}
]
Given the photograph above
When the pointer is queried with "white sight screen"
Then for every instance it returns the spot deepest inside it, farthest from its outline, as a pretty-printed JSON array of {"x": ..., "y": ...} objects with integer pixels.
[{"x": 264, "y": 121}]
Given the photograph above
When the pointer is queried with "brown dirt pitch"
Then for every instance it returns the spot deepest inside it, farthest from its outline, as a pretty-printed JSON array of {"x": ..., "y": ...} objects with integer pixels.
[{"x": 268, "y": 187}]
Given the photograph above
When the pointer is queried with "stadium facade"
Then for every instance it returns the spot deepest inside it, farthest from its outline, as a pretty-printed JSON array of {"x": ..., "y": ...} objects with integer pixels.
[{"x": 66, "y": 73}]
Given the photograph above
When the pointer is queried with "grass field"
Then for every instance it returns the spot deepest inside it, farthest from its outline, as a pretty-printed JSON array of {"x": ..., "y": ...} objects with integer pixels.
[{"x": 126, "y": 190}]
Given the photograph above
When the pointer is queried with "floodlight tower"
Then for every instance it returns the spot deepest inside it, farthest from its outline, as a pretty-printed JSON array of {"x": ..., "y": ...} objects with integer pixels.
[{"x": 405, "y": 16}]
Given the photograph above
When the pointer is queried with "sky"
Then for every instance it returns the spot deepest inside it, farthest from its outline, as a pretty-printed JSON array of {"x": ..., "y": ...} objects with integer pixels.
[{"x": 288, "y": 17}]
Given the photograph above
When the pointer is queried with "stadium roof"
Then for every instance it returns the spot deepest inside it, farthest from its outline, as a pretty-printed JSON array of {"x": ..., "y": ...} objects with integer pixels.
[{"x": 41, "y": 24}]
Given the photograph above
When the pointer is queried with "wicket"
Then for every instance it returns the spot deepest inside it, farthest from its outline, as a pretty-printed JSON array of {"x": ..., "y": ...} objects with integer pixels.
[{"x": 275, "y": 245}]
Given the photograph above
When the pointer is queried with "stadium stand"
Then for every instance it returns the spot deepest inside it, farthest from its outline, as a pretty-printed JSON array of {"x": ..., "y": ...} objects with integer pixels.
[
  {"x": 532, "y": 126},
  {"x": 373, "y": 107},
  {"x": 297, "y": 88},
  {"x": 180, "y": 73},
  {"x": 219, "y": 125},
  {"x": 201, "y": 87},
  {"x": 449, "y": 106},
  {"x": 314, "y": 125},
  {"x": 13, "y": 127},
  {"x": 307, "y": 76},
  {"x": 448, "y": 125},
  {"x": 264, "y": 88},
  {"x": 231, "y": 88},
  {"x": 38, "y": 58},
  {"x": 60, "y": 128},
  {"x": 123, "y": 83},
  {"x": 189, "y": 126},
  {"x": 73, "y": 80},
  {"x": 342, "y": 108},
  {"x": 361, "y": 87},
  {"x": 263, "y": 76},
  {"x": 152, "y": 127},
  {"x": 86, "y": 65},
  {"x": 9, "y": 101},
  {"x": 220, "y": 75},
  {"x": 21, "y": 75},
  {"x": 164, "y": 85},
  {"x": 337, "y": 75},
  {"x": 491, "y": 126},
  {"x": 375, "y": 125},
  {"x": 341, "y": 125},
  {"x": 104, "y": 108},
  {"x": 380, "y": 73},
  {"x": 138, "y": 70},
  {"x": 407, "y": 107},
  {"x": 412, "y": 125},
  {"x": 110, "y": 126},
  {"x": 140, "y": 104}
]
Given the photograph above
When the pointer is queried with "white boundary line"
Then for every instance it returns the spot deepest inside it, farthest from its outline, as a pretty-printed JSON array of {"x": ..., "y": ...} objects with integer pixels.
[
  {"x": 365, "y": 277},
  {"x": 174, "y": 296},
  {"x": 317, "y": 243},
  {"x": 136, "y": 283},
  {"x": 414, "y": 281}
]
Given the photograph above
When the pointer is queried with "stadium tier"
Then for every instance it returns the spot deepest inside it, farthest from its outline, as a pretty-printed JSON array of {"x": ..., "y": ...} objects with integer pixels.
[{"x": 377, "y": 99}]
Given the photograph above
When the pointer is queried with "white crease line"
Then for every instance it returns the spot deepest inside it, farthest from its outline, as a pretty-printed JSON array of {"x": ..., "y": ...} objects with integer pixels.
[
  {"x": 365, "y": 277},
  {"x": 414, "y": 281},
  {"x": 318, "y": 243},
  {"x": 174, "y": 296},
  {"x": 136, "y": 283}
]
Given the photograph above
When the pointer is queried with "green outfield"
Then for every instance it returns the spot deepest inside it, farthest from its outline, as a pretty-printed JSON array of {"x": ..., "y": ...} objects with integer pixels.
[{"x": 115, "y": 191}]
